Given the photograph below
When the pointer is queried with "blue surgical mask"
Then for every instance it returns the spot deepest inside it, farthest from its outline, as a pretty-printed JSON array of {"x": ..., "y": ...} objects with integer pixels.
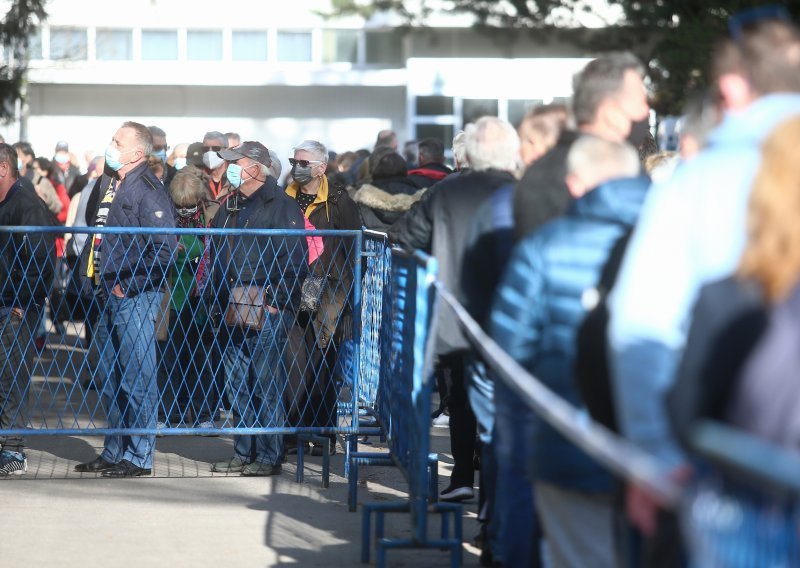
[
  {"x": 62, "y": 157},
  {"x": 234, "y": 175},
  {"x": 180, "y": 163},
  {"x": 19, "y": 165},
  {"x": 112, "y": 158},
  {"x": 161, "y": 155}
]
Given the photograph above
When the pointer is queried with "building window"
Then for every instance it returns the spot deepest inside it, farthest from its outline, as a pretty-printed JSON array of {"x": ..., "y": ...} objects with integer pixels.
[
  {"x": 249, "y": 46},
  {"x": 68, "y": 44},
  {"x": 340, "y": 46},
  {"x": 443, "y": 132},
  {"x": 203, "y": 45},
  {"x": 434, "y": 105},
  {"x": 35, "y": 45},
  {"x": 159, "y": 45},
  {"x": 385, "y": 47},
  {"x": 114, "y": 45},
  {"x": 294, "y": 46},
  {"x": 473, "y": 109}
]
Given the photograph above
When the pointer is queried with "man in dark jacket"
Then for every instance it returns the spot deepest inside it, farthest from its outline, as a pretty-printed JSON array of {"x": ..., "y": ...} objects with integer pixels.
[
  {"x": 128, "y": 271},
  {"x": 26, "y": 269},
  {"x": 439, "y": 225},
  {"x": 260, "y": 274},
  {"x": 610, "y": 102},
  {"x": 431, "y": 164},
  {"x": 541, "y": 301}
]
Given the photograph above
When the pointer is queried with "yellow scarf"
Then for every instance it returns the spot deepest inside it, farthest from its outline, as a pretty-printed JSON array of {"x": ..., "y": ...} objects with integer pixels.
[{"x": 322, "y": 196}]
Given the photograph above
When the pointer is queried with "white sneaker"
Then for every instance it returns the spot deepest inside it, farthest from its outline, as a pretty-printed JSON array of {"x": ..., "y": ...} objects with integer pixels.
[
  {"x": 456, "y": 494},
  {"x": 441, "y": 421},
  {"x": 208, "y": 424}
]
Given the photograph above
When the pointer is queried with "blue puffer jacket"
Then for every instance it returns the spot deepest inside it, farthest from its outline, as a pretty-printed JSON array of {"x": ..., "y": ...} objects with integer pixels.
[{"x": 540, "y": 305}]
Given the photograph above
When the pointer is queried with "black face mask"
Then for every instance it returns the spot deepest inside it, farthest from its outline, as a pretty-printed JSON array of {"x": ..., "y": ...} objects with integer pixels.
[{"x": 639, "y": 131}]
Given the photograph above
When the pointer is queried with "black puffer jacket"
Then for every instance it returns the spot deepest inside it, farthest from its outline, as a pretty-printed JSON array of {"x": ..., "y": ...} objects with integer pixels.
[
  {"x": 382, "y": 202},
  {"x": 439, "y": 224}
]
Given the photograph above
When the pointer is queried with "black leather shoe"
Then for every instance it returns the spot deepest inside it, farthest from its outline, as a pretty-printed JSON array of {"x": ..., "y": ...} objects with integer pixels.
[
  {"x": 126, "y": 469},
  {"x": 97, "y": 464}
]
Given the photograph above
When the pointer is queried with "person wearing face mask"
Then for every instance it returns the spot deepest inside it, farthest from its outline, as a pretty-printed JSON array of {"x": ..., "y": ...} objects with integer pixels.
[
  {"x": 39, "y": 182},
  {"x": 66, "y": 170},
  {"x": 177, "y": 159},
  {"x": 127, "y": 273},
  {"x": 316, "y": 336},
  {"x": 160, "y": 148},
  {"x": 609, "y": 101},
  {"x": 214, "y": 166},
  {"x": 271, "y": 269}
]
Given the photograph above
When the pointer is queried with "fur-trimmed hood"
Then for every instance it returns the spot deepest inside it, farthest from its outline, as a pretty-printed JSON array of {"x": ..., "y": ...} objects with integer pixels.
[{"x": 376, "y": 198}]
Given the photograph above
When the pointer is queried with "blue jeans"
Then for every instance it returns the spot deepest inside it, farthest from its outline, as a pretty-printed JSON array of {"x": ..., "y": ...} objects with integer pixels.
[
  {"x": 127, "y": 343},
  {"x": 255, "y": 378},
  {"x": 514, "y": 524}
]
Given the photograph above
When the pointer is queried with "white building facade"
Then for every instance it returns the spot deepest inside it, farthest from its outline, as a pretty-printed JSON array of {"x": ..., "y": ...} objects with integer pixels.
[{"x": 276, "y": 71}]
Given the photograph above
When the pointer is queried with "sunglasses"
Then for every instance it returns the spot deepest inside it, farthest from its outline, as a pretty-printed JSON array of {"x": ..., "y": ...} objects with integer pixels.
[
  {"x": 303, "y": 163},
  {"x": 187, "y": 211},
  {"x": 211, "y": 149}
]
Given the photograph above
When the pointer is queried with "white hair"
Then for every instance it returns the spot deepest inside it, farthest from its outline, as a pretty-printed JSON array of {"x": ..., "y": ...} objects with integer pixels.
[
  {"x": 460, "y": 149},
  {"x": 316, "y": 149},
  {"x": 275, "y": 167},
  {"x": 596, "y": 160},
  {"x": 491, "y": 143}
]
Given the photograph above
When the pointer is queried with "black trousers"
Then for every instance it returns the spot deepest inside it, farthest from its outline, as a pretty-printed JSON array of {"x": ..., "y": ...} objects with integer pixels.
[
  {"x": 310, "y": 395},
  {"x": 463, "y": 427}
]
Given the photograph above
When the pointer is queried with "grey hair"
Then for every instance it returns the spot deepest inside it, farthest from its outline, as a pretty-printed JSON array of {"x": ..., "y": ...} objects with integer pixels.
[
  {"x": 460, "y": 149},
  {"x": 187, "y": 188},
  {"x": 601, "y": 79},
  {"x": 144, "y": 139},
  {"x": 316, "y": 149},
  {"x": 275, "y": 167},
  {"x": 595, "y": 160},
  {"x": 156, "y": 131},
  {"x": 218, "y": 136},
  {"x": 9, "y": 155},
  {"x": 492, "y": 143}
]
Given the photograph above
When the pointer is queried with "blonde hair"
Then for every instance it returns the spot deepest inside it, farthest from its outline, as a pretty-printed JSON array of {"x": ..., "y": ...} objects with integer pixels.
[{"x": 772, "y": 254}]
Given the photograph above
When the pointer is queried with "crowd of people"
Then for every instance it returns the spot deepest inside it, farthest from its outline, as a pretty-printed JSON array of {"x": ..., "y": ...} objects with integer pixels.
[{"x": 653, "y": 289}]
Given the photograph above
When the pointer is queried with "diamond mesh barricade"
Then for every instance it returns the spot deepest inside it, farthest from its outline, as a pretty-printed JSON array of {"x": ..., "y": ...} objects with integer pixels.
[
  {"x": 403, "y": 402},
  {"x": 207, "y": 337}
]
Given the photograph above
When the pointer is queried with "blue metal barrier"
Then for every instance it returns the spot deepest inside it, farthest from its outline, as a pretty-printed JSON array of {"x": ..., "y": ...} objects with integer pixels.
[
  {"x": 80, "y": 376},
  {"x": 404, "y": 403}
]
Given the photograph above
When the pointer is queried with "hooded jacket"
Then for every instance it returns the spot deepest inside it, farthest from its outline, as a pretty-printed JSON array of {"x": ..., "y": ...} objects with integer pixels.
[
  {"x": 541, "y": 302},
  {"x": 382, "y": 202}
]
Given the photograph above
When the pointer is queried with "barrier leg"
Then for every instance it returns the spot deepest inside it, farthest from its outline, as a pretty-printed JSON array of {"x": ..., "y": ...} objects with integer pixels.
[
  {"x": 300, "y": 459},
  {"x": 326, "y": 464},
  {"x": 365, "y": 533},
  {"x": 352, "y": 491},
  {"x": 433, "y": 469}
]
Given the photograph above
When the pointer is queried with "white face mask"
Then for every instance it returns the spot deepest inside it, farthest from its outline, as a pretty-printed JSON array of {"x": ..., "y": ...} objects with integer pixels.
[{"x": 211, "y": 160}]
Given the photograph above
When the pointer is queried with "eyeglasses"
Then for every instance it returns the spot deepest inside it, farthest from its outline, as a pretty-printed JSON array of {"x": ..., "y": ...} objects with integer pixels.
[
  {"x": 303, "y": 163},
  {"x": 211, "y": 148}
]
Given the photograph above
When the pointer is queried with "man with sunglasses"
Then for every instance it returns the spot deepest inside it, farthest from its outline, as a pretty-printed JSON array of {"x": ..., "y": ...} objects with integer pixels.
[
  {"x": 692, "y": 231},
  {"x": 271, "y": 268}
]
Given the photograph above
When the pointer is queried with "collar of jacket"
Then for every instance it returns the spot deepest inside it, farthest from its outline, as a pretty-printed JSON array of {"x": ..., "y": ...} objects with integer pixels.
[
  {"x": 140, "y": 171},
  {"x": 322, "y": 197}
]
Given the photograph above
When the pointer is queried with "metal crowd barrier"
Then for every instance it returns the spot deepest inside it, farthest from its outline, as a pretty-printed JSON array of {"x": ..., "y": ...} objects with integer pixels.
[
  {"x": 65, "y": 372},
  {"x": 742, "y": 507},
  {"x": 403, "y": 412}
]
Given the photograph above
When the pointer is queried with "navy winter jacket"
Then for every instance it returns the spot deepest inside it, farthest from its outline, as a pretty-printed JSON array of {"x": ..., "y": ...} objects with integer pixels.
[
  {"x": 137, "y": 262},
  {"x": 542, "y": 299}
]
